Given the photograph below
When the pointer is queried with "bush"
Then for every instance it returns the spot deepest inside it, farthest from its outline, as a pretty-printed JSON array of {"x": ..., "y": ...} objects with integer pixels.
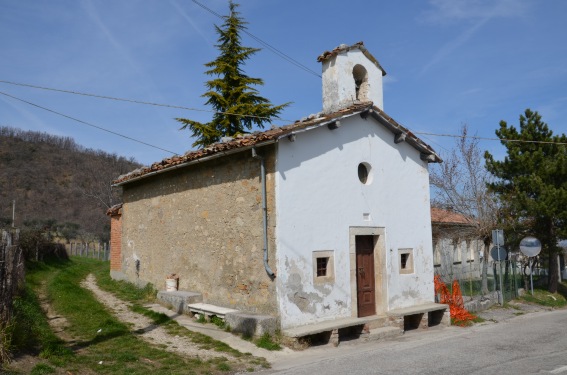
[{"x": 37, "y": 245}]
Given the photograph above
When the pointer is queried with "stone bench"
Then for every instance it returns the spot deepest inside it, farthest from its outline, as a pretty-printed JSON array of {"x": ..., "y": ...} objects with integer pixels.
[
  {"x": 208, "y": 310},
  {"x": 421, "y": 316},
  {"x": 366, "y": 328}
]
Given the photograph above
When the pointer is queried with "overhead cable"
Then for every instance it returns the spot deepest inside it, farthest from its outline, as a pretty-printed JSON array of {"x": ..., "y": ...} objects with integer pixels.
[
  {"x": 86, "y": 123},
  {"x": 265, "y": 44},
  {"x": 135, "y": 101},
  {"x": 236, "y": 114},
  {"x": 490, "y": 139}
]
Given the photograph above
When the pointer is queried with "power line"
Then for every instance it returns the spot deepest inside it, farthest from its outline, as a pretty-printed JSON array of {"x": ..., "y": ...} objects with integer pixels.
[
  {"x": 227, "y": 113},
  {"x": 135, "y": 101},
  {"x": 265, "y": 44},
  {"x": 86, "y": 123},
  {"x": 491, "y": 139}
]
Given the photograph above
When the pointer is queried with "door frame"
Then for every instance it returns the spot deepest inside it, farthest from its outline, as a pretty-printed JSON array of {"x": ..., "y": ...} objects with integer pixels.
[{"x": 380, "y": 277}]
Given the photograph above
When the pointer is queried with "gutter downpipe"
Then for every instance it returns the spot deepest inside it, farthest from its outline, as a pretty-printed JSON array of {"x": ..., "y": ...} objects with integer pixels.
[{"x": 264, "y": 211}]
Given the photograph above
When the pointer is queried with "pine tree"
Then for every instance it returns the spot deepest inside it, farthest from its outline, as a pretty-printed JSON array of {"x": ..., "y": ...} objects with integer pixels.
[
  {"x": 237, "y": 104},
  {"x": 532, "y": 185}
]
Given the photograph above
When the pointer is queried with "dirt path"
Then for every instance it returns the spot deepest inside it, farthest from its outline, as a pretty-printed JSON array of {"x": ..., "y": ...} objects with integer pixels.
[
  {"x": 57, "y": 322},
  {"x": 148, "y": 331}
]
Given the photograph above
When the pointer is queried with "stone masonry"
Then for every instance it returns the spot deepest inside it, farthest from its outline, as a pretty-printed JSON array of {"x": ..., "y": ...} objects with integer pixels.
[{"x": 204, "y": 223}]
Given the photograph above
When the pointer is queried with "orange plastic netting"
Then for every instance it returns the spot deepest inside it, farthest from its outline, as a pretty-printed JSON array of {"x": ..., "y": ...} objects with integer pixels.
[{"x": 459, "y": 315}]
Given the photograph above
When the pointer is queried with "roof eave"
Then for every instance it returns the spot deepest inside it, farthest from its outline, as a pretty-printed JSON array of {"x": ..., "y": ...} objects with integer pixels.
[
  {"x": 401, "y": 134},
  {"x": 192, "y": 162}
]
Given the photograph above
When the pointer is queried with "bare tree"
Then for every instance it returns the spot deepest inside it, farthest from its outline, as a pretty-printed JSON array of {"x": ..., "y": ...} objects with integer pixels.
[{"x": 460, "y": 183}]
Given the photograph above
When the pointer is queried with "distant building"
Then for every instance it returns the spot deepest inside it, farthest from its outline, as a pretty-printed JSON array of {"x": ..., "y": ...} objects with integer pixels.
[{"x": 456, "y": 247}]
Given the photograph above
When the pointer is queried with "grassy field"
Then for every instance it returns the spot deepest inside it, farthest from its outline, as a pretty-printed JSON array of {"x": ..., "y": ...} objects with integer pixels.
[
  {"x": 543, "y": 297},
  {"x": 112, "y": 350}
]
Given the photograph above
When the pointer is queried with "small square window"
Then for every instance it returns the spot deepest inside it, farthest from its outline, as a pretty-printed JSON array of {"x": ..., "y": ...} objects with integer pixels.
[
  {"x": 406, "y": 260},
  {"x": 323, "y": 266}
]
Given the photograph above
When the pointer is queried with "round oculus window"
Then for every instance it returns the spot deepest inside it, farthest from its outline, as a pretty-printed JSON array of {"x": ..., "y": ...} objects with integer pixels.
[{"x": 364, "y": 174}]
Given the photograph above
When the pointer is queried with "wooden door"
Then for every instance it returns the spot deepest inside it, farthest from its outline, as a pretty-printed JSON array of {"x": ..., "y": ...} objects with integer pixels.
[{"x": 365, "y": 284}]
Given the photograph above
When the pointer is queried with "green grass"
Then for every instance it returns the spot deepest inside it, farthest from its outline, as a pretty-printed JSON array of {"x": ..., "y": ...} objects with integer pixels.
[
  {"x": 267, "y": 342},
  {"x": 31, "y": 332},
  {"x": 544, "y": 298},
  {"x": 41, "y": 369},
  {"x": 218, "y": 322},
  {"x": 478, "y": 319},
  {"x": 115, "y": 350}
]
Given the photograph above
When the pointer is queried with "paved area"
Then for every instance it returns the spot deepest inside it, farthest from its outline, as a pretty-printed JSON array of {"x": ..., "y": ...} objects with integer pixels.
[
  {"x": 510, "y": 310},
  {"x": 531, "y": 343}
]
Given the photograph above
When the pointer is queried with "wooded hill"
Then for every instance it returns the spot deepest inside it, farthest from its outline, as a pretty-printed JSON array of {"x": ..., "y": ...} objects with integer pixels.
[{"x": 57, "y": 184}]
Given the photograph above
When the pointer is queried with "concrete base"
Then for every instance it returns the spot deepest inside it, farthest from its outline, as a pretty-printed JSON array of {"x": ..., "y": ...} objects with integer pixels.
[
  {"x": 251, "y": 324},
  {"x": 483, "y": 303},
  {"x": 178, "y": 300},
  {"x": 118, "y": 275}
]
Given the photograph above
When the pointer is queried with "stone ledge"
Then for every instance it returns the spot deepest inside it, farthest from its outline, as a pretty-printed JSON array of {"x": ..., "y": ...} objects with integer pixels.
[
  {"x": 418, "y": 309},
  {"x": 209, "y": 310}
]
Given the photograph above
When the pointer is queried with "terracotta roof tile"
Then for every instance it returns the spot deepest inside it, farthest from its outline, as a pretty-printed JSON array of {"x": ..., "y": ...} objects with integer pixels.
[
  {"x": 114, "y": 210},
  {"x": 241, "y": 142},
  {"x": 441, "y": 216},
  {"x": 345, "y": 48}
]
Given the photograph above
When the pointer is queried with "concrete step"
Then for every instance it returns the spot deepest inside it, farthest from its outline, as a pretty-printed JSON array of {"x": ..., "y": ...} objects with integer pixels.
[
  {"x": 378, "y": 321},
  {"x": 384, "y": 333}
]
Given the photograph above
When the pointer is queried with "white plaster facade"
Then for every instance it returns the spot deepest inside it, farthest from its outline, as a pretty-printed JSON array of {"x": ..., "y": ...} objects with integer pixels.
[
  {"x": 322, "y": 205},
  {"x": 349, "y": 68},
  {"x": 320, "y": 199}
]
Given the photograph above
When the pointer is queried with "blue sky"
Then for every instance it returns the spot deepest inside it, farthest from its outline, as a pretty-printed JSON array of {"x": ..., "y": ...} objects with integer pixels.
[{"x": 449, "y": 62}]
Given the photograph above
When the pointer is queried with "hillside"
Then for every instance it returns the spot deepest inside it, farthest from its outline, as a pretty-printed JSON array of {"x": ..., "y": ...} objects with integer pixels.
[{"x": 54, "y": 180}]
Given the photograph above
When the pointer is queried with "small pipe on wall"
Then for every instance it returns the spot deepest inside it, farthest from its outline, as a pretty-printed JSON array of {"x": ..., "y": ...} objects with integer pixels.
[{"x": 264, "y": 211}]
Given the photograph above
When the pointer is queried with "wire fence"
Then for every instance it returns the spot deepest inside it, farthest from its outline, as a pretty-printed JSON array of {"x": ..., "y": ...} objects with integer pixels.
[
  {"x": 12, "y": 273},
  {"x": 95, "y": 250},
  {"x": 506, "y": 277}
]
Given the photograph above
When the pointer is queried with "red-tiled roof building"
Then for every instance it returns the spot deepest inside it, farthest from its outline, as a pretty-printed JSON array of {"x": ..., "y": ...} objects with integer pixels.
[{"x": 326, "y": 219}]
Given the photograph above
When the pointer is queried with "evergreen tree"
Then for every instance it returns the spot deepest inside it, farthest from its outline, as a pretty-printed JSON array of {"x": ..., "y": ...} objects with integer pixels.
[
  {"x": 232, "y": 95},
  {"x": 532, "y": 185}
]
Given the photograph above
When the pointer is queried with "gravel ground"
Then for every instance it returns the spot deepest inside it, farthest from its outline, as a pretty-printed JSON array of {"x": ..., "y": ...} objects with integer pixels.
[{"x": 149, "y": 332}]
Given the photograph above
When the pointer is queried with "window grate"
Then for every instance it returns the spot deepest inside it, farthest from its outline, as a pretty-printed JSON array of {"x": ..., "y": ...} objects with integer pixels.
[{"x": 322, "y": 264}]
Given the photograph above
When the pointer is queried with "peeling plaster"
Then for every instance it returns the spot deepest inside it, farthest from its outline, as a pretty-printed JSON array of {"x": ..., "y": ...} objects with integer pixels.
[
  {"x": 305, "y": 302},
  {"x": 340, "y": 303}
]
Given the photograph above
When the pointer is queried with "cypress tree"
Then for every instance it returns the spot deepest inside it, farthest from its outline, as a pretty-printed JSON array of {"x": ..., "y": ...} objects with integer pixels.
[
  {"x": 232, "y": 94},
  {"x": 532, "y": 185}
]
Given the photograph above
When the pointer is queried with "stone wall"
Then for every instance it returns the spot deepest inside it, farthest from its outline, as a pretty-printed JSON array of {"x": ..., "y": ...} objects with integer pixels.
[{"x": 204, "y": 223}]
